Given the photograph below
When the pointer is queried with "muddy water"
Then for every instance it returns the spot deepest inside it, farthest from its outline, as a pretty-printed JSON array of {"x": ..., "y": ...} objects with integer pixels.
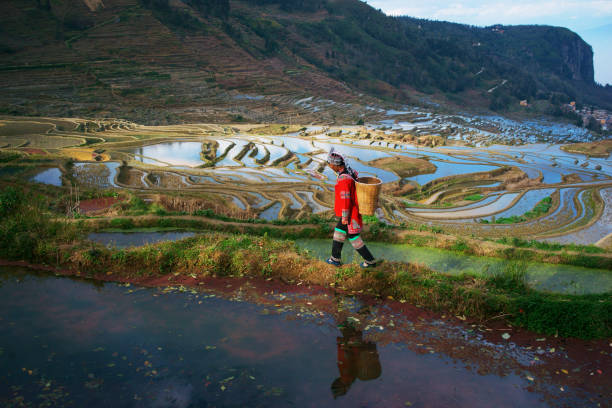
[{"x": 243, "y": 343}]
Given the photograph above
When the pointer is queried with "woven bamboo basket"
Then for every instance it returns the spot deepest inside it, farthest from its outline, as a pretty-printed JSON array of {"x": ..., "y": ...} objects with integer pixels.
[{"x": 368, "y": 190}]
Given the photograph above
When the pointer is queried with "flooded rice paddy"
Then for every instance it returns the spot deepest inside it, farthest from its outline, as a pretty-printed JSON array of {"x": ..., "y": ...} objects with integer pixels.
[
  {"x": 290, "y": 171},
  {"x": 51, "y": 176},
  {"x": 239, "y": 342}
]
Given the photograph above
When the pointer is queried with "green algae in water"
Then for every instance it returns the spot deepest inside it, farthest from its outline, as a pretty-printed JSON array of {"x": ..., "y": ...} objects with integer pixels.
[{"x": 564, "y": 279}]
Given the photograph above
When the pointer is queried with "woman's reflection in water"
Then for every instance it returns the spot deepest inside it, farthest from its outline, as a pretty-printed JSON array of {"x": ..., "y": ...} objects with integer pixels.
[{"x": 356, "y": 359}]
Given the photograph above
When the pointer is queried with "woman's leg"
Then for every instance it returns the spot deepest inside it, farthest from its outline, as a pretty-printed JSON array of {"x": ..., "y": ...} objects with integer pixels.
[
  {"x": 360, "y": 247},
  {"x": 340, "y": 233}
]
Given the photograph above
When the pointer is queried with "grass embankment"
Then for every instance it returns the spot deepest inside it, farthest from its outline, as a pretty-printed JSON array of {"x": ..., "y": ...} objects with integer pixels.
[
  {"x": 275, "y": 129},
  {"x": 601, "y": 148},
  {"x": 474, "y": 197},
  {"x": 28, "y": 233}
]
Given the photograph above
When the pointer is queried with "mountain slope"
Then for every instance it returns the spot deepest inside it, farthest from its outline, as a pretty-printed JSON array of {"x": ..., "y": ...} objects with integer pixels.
[{"x": 215, "y": 60}]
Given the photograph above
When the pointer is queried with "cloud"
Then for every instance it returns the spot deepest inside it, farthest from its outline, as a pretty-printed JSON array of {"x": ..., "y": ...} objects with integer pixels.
[{"x": 482, "y": 12}]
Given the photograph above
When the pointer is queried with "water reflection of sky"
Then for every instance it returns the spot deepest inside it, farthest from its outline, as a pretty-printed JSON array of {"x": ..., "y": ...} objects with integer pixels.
[
  {"x": 109, "y": 345},
  {"x": 174, "y": 153},
  {"x": 593, "y": 233},
  {"x": 49, "y": 176},
  {"x": 444, "y": 169},
  {"x": 527, "y": 202}
]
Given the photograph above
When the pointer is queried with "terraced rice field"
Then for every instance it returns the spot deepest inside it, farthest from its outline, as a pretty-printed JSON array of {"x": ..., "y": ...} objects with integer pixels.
[{"x": 284, "y": 175}]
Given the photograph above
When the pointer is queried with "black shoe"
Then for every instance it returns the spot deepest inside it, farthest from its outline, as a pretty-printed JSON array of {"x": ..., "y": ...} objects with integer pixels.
[
  {"x": 372, "y": 264},
  {"x": 335, "y": 263}
]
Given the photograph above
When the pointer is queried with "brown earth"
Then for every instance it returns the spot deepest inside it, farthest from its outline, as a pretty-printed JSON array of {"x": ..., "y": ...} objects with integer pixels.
[
  {"x": 404, "y": 166},
  {"x": 97, "y": 205},
  {"x": 571, "y": 178}
]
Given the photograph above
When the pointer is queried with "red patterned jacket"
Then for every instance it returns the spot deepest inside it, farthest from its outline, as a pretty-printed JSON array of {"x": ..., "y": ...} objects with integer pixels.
[{"x": 346, "y": 205}]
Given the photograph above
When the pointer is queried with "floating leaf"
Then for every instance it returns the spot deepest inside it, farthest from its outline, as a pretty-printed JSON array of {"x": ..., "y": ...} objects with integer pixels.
[
  {"x": 530, "y": 378},
  {"x": 564, "y": 371}
]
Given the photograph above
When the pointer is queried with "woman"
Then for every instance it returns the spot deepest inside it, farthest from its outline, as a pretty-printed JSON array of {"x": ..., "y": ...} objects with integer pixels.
[{"x": 346, "y": 207}]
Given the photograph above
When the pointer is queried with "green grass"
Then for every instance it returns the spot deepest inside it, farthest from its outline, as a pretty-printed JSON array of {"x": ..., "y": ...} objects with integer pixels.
[
  {"x": 7, "y": 156},
  {"x": 550, "y": 246},
  {"x": 474, "y": 197}
]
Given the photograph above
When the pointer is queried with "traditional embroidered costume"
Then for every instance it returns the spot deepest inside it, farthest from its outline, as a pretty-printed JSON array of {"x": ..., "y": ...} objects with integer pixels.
[{"x": 346, "y": 208}]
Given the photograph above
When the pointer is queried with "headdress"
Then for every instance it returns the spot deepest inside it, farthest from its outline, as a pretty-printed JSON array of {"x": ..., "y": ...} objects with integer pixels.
[{"x": 334, "y": 157}]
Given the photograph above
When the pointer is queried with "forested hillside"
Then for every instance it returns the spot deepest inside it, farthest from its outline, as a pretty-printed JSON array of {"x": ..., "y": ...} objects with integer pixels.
[{"x": 136, "y": 56}]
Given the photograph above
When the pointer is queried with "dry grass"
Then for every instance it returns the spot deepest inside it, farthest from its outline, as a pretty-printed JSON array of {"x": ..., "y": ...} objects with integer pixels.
[
  {"x": 404, "y": 166},
  {"x": 192, "y": 205},
  {"x": 82, "y": 154},
  {"x": 601, "y": 148}
]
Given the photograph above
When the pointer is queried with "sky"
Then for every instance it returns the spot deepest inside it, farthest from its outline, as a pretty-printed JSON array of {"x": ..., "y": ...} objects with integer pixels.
[{"x": 591, "y": 19}]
